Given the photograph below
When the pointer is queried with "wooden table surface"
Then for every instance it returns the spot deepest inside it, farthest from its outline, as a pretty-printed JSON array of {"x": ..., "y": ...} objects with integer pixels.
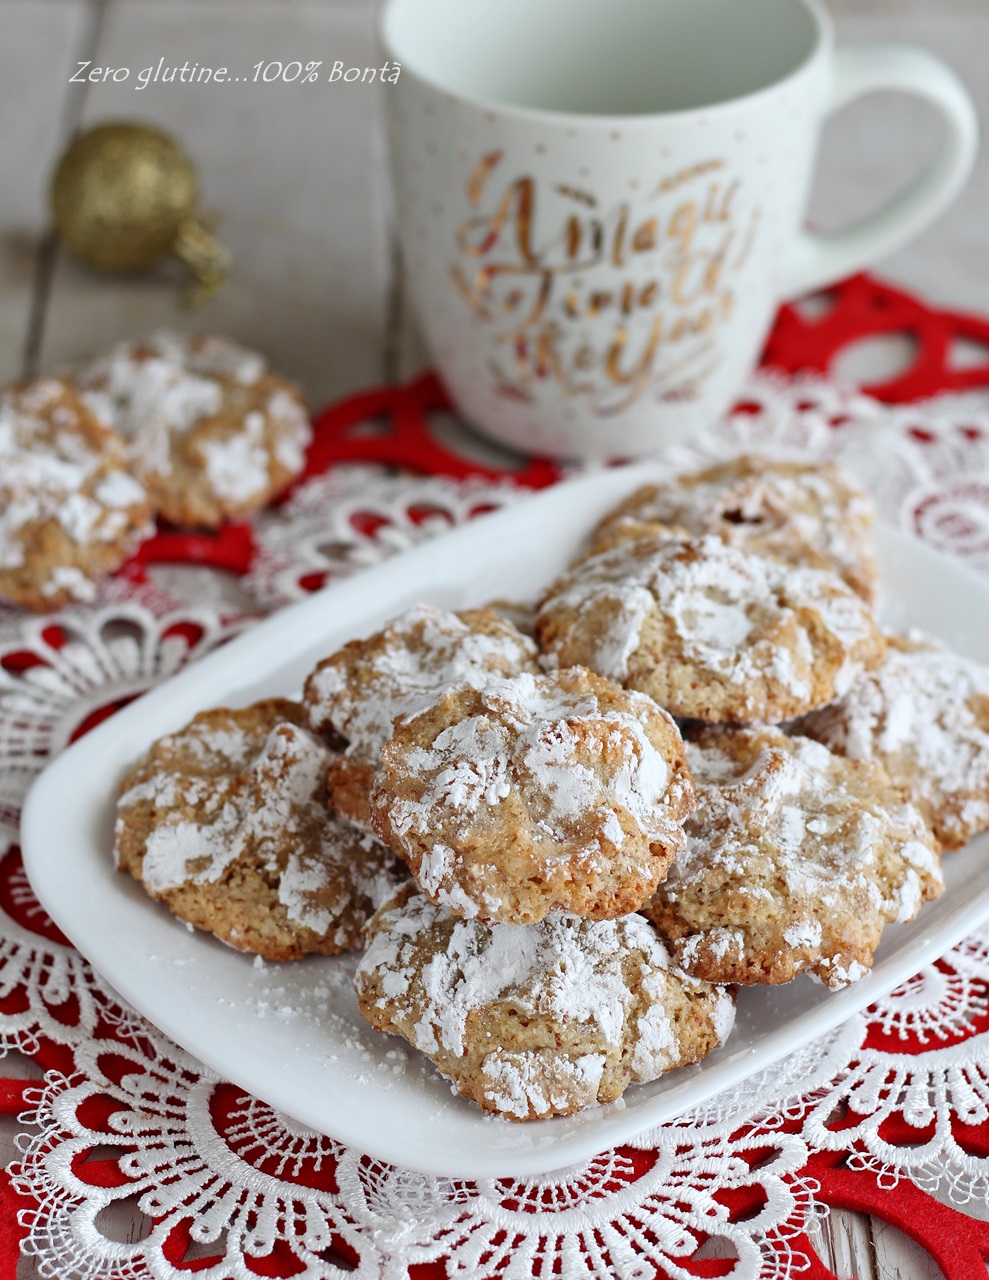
[{"x": 295, "y": 178}]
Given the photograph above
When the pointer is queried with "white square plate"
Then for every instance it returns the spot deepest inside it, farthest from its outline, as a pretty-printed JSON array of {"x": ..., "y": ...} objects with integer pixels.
[{"x": 291, "y": 1033}]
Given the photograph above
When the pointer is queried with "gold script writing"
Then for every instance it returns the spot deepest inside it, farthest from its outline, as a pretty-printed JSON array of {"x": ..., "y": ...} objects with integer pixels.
[{"x": 608, "y": 305}]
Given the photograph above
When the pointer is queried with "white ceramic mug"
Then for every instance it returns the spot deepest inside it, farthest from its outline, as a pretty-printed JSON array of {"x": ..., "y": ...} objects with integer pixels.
[{"x": 601, "y": 201}]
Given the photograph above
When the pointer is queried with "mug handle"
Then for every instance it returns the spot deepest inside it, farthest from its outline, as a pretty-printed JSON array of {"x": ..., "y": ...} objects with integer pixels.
[{"x": 819, "y": 260}]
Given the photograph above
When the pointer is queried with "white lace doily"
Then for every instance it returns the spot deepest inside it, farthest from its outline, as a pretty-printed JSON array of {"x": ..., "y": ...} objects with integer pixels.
[{"x": 225, "y": 1181}]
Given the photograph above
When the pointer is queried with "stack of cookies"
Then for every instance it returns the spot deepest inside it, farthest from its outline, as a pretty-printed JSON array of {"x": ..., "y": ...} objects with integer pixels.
[
  {"x": 194, "y": 430},
  {"x": 536, "y": 812},
  {"x": 740, "y": 598},
  {"x": 566, "y": 847}
]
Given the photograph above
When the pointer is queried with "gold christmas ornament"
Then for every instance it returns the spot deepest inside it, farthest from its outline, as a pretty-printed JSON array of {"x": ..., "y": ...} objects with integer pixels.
[{"x": 124, "y": 196}]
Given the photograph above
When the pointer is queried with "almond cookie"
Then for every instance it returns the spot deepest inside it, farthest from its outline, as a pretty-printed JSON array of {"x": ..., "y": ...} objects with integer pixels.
[
  {"x": 709, "y": 631},
  {"x": 924, "y": 715},
  {"x": 536, "y": 794},
  {"x": 795, "y": 860},
  {"x": 226, "y": 823},
  {"x": 211, "y": 432},
  {"x": 541, "y": 1020},
  {"x": 803, "y": 514},
  {"x": 70, "y": 514},
  {"x": 357, "y": 692}
]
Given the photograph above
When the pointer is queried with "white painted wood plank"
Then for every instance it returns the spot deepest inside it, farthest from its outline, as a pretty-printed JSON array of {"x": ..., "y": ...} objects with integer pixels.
[
  {"x": 294, "y": 172},
  {"x": 899, "y": 1258},
  {"x": 37, "y": 57},
  {"x": 844, "y": 1244}
]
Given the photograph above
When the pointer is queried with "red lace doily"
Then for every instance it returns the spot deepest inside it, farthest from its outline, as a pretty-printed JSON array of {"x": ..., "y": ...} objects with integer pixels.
[{"x": 53, "y": 1009}]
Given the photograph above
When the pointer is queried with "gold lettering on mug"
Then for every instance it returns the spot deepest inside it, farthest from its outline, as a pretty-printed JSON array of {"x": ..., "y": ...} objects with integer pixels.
[
  {"x": 688, "y": 175},
  {"x": 644, "y": 236},
  {"x": 566, "y": 307},
  {"x": 475, "y": 184},
  {"x": 585, "y": 197}
]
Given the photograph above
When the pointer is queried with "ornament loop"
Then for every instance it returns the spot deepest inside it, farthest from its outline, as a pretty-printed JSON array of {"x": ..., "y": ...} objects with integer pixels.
[{"x": 204, "y": 255}]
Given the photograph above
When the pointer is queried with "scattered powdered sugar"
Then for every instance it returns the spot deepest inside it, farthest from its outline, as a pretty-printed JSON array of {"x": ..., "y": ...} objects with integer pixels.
[
  {"x": 839, "y": 975},
  {"x": 519, "y": 1083},
  {"x": 545, "y": 969},
  {"x": 795, "y": 796},
  {"x": 173, "y": 851},
  {"x": 299, "y": 884},
  {"x": 118, "y": 490},
  {"x": 723, "y": 1016},
  {"x": 293, "y": 431},
  {"x": 161, "y": 389},
  {"x": 535, "y": 1015},
  {"x": 80, "y": 516},
  {"x": 922, "y": 865},
  {"x": 65, "y": 577},
  {"x": 722, "y": 942},
  {"x": 414, "y": 660},
  {"x": 656, "y": 1046},
  {"x": 806, "y": 933},
  {"x": 792, "y": 668},
  {"x": 619, "y": 641},
  {"x": 469, "y": 765},
  {"x": 212, "y": 747},
  {"x": 782, "y": 509},
  {"x": 237, "y": 464},
  {"x": 434, "y": 871},
  {"x": 714, "y": 624},
  {"x": 149, "y": 390},
  {"x": 286, "y": 808}
]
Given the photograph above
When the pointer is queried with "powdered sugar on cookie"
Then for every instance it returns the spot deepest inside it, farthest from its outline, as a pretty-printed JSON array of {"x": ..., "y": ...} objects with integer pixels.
[
  {"x": 534, "y": 794},
  {"x": 536, "y": 726},
  {"x": 924, "y": 715},
  {"x": 69, "y": 512},
  {"x": 710, "y": 631},
  {"x": 539, "y": 1020},
  {"x": 238, "y": 798},
  {"x": 211, "y": 432},
  {"x": 149, "y": 391},
  {"x": 804, "y": 514},
  {"x": 794, "y": 861},
  {"x": 360, "y": 691}
]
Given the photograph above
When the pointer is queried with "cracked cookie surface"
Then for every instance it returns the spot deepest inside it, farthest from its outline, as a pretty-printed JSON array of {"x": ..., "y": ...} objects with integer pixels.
[
  {"x": 558, "y": 792},
  {"x": 924, "y": 715},
  {"x": 70, "y": 514},
  {"x": 795, "y": 860},
  {"x": 803, "y": 514},
  {"x": 538, "y": 1020},
  {"x": 225, "y": 822},
  {"x": 709, "y": 631},
  {"x": 360, "y": 690},
  {"x": 211, "y": 432}
]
